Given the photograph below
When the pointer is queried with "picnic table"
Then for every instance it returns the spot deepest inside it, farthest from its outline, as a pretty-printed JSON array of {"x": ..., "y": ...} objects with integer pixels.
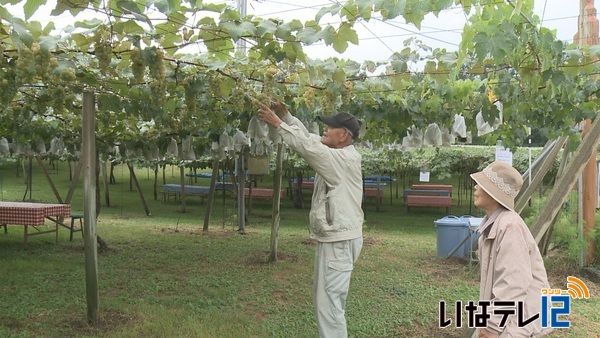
[
  {"x": 33, "y": 215},
  {"x": 262, "y": 193},
  {"x": 371, "y": 188},
  {"x": 371, "y": 182},
  {"x": 307, "y": 183}
]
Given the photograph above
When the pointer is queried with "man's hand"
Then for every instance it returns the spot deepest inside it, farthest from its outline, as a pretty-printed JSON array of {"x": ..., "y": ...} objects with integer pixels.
[
  {"x": 279, "y": 108},
  {"x": 266, "y": 115}
]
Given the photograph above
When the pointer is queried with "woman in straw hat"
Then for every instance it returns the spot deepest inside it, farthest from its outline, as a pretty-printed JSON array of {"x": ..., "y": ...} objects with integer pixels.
[{"x": 512, "y": 268}]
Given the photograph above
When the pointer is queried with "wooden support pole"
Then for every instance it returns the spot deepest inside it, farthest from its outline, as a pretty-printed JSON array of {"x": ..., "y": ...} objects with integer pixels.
[
  {"x": 241, "y": 172},
  {"x": 56, "y": 194},
  {"x": 565, "y": 183},
  {"x": 276, "y": 204},
  {"x": 211, "y": 194},
  {"x": 74, "y": 180},
  {"x": 546, "y": 163},
  {"x": 134, "y": 179},
  {"x": 105, "y": 183},
  {"x": 88, "y": 159},
  {"x": 589, "y": 194},
  {"x": 182, "y": 183},
  {"x": 587, "y": 35},
  {"x": 30, "y": 177}
]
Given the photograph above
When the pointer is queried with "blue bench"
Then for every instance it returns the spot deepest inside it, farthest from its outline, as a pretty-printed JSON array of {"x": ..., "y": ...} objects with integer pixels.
[
  {"x": 428, "y": 186},
  {"x": 373, "y": 184},
  {"x": 193, "y": 176},
  {"x": 192, "y": 190},
  {"x": 381, "y": 178}
]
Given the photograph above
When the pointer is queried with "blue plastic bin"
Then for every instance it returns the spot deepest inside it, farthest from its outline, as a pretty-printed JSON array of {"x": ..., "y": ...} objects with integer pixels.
[{"x": 451, "y": 231}]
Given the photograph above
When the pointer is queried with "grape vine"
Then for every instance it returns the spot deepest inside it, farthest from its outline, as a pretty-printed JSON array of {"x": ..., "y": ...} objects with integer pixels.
[{"x": 146, "y": 74}]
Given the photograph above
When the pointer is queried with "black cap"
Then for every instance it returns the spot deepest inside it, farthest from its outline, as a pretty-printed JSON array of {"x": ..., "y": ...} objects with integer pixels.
[{"x": 342, "y": 120}]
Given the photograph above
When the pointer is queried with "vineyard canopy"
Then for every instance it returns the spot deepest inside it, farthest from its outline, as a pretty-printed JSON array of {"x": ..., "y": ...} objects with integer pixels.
[{"x": 151, "y": 90}]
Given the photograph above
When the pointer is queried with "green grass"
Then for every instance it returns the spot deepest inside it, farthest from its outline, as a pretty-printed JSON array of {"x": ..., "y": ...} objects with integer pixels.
[{"x": 163, "y": 277}]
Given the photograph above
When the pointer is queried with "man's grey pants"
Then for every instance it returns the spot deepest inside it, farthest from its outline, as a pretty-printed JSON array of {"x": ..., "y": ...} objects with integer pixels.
[{"x": 333, "y": 266}]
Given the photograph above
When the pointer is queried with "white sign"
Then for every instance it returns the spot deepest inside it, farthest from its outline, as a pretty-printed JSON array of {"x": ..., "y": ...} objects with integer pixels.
[
  {"x": 503, "y": 154},
  {"x": 424, "y": 176}
]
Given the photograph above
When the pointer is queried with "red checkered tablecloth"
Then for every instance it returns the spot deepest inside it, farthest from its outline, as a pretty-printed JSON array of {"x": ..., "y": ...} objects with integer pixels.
[{"x": 25, "y": 213}]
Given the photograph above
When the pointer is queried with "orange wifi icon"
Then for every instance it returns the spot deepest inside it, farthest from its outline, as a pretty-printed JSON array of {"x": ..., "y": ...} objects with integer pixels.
[{"x": 576, "y": 288}]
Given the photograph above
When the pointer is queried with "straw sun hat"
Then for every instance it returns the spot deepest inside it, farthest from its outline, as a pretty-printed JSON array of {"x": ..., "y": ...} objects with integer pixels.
[{"x": 501, "y": 181}]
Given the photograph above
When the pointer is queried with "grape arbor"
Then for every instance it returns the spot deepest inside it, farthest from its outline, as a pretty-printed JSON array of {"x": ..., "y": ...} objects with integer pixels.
[{"x": 152, "y": 85}]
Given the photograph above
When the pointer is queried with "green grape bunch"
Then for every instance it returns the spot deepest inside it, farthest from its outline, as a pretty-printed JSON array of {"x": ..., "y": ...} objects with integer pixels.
[
  {"x": 138, "y": 66},
  {"x": 25, "y": 66},
  {"x": 58, "y": 98},
  {"x": 9, "y": 85},
  {"x": 214, "y": 85},
  {"x": 347, "y": 94},
  {"x": 8, "y": 81},
  {"x": 328, "y": 101},
  {"x": 157, "y": 66},
  {"x": 309, "y": 97},
  {"x": 258, "y": 99},
  {"x": 191, "y": 99},
  {"x": 44, "y": 61},
  {"x": 158, "y": 89},
  {"x": 43, "y": 100},
  {"x": 103, "y": 48},
  {"x": 237, "y": 99},
  {"x": 269, "y": 81},
  {"x": 158, "y": 84},
  {"x": 34, "y": 64},
  {"x": 68, "y": 75}
]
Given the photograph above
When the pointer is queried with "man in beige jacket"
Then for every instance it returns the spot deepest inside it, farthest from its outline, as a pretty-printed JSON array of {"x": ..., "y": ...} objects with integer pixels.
[
  {"x": 512, "y": 268},
  {"x": 336, "y": 216}
]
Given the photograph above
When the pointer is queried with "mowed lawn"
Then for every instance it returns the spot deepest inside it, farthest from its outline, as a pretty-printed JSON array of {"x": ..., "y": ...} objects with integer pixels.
[{"x": 162, "y": 276}]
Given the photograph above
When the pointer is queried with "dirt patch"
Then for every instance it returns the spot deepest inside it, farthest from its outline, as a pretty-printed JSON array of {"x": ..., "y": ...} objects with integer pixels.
[
  {"x": 107, "y": 321},
  {"x": 262, "y": 216},
  {"x": 12, "y": 323},
  {"x": 370, "y": 241},
  {"x": 262, "y": 257},
  {"x": 201, "y": 232},
  {"x": 255, "y": 314},
  {"x": 308, "y": 242},
  {"x": 80, "y": 248},
  {"x": 75, "y": 248},
  {"x": 441, "y": 268}
]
